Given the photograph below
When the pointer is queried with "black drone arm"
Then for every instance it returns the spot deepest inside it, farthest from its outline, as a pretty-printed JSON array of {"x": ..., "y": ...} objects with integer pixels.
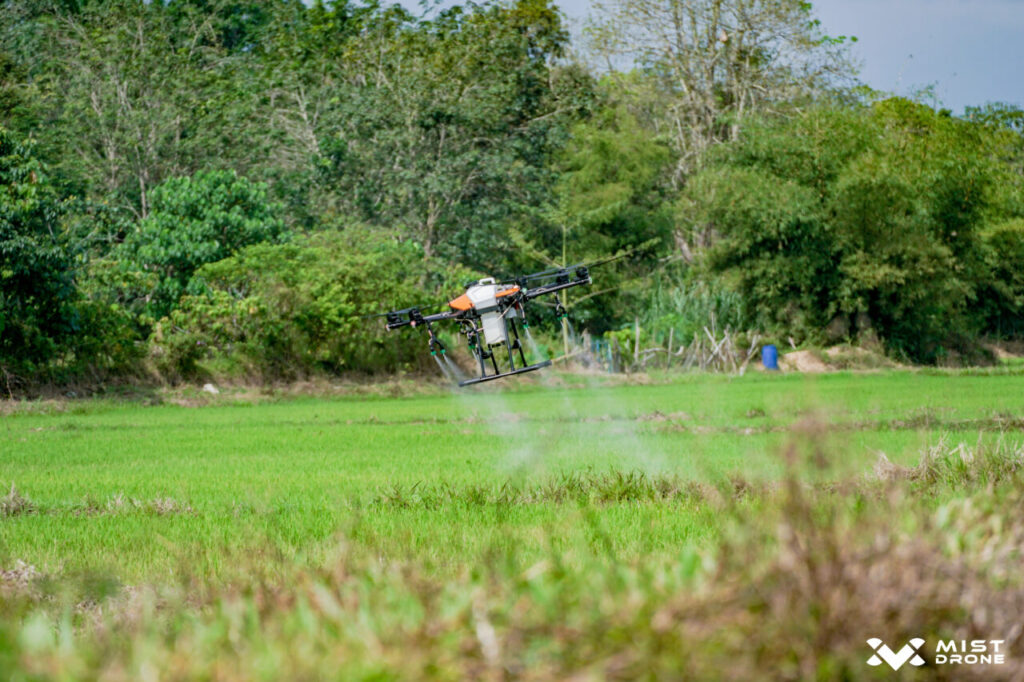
[{"x": 415, "y": 318}]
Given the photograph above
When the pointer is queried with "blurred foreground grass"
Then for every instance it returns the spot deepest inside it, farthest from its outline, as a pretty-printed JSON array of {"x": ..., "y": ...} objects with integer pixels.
[{"x": 705, "y": 528}]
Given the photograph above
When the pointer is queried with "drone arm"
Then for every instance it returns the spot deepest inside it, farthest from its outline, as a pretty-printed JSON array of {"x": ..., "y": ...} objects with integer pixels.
[{"x": 414, "y": 319}]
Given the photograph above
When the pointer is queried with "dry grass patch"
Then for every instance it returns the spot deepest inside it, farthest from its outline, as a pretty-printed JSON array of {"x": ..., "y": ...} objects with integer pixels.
[{"x": 14, "y": 504}]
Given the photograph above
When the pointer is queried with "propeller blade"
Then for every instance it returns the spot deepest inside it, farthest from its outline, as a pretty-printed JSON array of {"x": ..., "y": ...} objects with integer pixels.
[
  {"x": 552, "y": 272},
  {"x": 556, "y": 271}
]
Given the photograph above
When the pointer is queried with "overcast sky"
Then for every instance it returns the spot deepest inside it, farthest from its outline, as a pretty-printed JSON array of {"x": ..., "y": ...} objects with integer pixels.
[{"x": 971, "y": 51}]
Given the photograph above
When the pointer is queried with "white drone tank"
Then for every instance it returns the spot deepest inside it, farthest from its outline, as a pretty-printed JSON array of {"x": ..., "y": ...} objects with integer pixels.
[{"x": 483, "y": 295}]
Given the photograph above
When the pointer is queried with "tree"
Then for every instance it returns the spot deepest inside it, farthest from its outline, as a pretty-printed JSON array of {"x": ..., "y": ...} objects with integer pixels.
[
  {"x": 608, "y": 200},
  {"x": 1002, "y": 296},
  {"x": 129, "y": 93},
  {"x": 37, "y": 287},
  {"x": 194, "y": 221},
  {"x": 446, "y": 126},
  {"x": 709, "y": 64},
  {"x": 848, "y": 221}
]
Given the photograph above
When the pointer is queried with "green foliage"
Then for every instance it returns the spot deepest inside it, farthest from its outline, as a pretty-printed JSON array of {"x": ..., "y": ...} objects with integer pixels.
[
  {"x": 123, "y": 95},
  {"x": 608, "y": 199},
  {"x": 37, "y": 290},
  {"x": 773, "y": 250},
  {"x": 49, "y": 331},
  {"x": 609, "y": 166},
  {"x": 1003, "y": 298},
  {"x": 688, "y": 307},
  {"x": 195, "y": 221},
  {"x": 176, "y": 134},
  {"x": 450, "y": 130},
  {"x": 296, "y": 309},
  {"x": 703, "y": 68},
  {"x": 856, "y": 221}
]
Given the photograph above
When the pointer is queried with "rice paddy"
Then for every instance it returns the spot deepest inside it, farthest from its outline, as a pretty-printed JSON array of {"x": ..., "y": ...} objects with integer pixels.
[{"x": 109, "y": 499}]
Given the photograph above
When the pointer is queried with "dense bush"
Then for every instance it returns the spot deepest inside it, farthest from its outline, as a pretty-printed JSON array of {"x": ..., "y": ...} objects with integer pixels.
[
  {"x": 295, "y": 309},
  {"x": 1002, "y": 301},
  {"x": 194, "y": 221},
  {"x": 37, "y": 290}
]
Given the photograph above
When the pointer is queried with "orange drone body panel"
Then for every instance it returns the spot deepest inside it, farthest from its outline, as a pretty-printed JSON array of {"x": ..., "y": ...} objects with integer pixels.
[{"x": 463, "y": 303}]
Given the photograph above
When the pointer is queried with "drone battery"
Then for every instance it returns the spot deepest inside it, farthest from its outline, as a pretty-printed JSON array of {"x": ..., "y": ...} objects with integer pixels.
[{"x": 483, "y": 294}]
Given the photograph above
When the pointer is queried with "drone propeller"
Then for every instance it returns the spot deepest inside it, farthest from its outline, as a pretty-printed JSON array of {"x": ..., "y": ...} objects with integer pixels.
[
  {"x": 556, "y": 271},
  {"x": 551, "y": 272}
]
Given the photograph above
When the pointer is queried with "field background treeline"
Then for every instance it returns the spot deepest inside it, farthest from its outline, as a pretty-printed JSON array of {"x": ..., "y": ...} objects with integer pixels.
[{"x": 226, "y": 186}]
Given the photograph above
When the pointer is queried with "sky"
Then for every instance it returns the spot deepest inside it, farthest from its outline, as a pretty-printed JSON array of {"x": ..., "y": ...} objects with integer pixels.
[{"x": 969, "y": 51}]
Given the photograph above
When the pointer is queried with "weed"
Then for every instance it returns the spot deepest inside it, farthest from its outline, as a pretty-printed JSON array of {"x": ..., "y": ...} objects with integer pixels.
[
  {"x": 15, "y": 504},
  {"x": 959, "y": 465}
]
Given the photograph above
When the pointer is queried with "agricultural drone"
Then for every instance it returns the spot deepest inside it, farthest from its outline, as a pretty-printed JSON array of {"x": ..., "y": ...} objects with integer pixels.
[{"x": 487, "y": 314}]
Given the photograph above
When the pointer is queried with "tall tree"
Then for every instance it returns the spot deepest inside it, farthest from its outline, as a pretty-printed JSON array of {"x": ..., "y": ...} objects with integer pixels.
[
  {"x": 194, "y": 221},
  {"x": 447, "y": 125},
  {"x": 842, "y": 222},
  {"x": 131, "y": 93},
  {"x": 608, "y": 199},
  {"x": 709, "y": 64}
]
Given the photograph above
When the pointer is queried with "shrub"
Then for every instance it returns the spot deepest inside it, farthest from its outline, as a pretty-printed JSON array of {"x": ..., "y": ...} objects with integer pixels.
[
  {"x": 688, "y": 307},
  {"x": 195, "y": 221},
  {"x": 296, "y": 309}
]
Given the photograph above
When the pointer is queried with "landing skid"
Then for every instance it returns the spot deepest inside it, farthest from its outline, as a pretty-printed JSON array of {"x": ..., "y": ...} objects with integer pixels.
[{"x": 490, "y": 377}]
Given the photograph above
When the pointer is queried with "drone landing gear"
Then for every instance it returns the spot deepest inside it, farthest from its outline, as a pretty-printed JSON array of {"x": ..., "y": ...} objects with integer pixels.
[
  {"x": 512, "y": 344},
  {"x": 491, "y": 377}
]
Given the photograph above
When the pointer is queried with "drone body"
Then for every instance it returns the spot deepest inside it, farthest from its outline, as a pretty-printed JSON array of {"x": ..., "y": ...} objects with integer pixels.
[{"x": 487, "y": 315}]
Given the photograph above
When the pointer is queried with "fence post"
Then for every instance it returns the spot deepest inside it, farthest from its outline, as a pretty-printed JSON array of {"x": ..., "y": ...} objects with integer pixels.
[{"x": 636, "y": 342}]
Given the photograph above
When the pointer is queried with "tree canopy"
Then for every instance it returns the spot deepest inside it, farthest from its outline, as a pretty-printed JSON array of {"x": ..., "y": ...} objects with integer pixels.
[{"x": 194, "y": 184}]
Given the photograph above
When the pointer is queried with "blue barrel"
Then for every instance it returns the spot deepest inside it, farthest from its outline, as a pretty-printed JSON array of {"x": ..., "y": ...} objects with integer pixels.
[{"x": 770, "y": 357}]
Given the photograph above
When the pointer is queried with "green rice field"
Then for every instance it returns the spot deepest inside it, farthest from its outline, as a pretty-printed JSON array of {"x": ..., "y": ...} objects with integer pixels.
[
  {"x": 141, "y": 491},
  {"x": 571, "y": 527}
]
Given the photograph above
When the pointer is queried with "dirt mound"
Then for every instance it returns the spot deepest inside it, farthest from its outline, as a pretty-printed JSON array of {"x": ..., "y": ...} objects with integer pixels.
[
  {"x": 833, "y": 359},
  {"x": 856, "y": 357},
  {"x": 804, "y": 361},
  {"x": 1006, "y": 350}
]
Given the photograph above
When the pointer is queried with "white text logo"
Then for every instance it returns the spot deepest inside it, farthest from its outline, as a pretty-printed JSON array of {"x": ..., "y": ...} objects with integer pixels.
[{"x": 970, "y": 652}]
